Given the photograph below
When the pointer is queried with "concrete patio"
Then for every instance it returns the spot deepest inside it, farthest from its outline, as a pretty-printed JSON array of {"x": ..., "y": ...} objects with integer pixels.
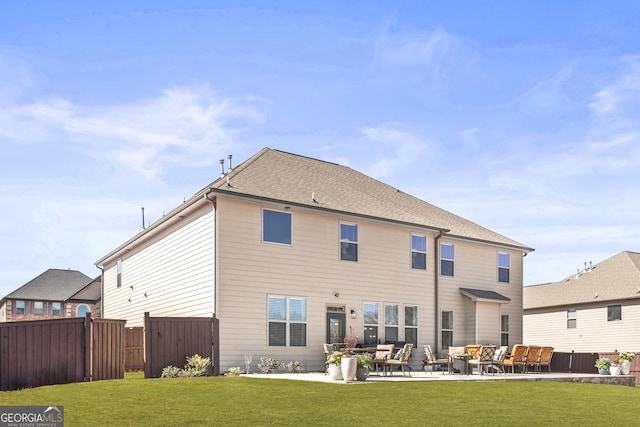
[{"x": 627, "y": 380}]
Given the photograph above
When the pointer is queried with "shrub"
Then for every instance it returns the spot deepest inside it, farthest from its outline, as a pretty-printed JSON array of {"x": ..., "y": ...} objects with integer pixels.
[
  {"x": 170, "y": 372},
  {"x": 196, "y": 366},
  {"x": 294, "y": 367},
  {"x": 234, "y": 372},
  {"x": 268, "y": 365}
]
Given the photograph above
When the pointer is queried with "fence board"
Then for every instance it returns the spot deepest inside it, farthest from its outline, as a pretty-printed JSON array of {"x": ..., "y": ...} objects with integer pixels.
[{"x": 170, "y": 340}]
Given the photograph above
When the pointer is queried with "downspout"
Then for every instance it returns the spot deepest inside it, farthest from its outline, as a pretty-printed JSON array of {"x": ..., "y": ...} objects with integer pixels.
[
  {"x": 212, "y": 198},
  {"x": 436, "y": 272},
  {"x": 101, "y": 292}
]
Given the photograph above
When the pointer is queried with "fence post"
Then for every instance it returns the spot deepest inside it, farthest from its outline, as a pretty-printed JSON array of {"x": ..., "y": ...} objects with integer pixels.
[
  {"x": 87, "y": 348},
  {"x": 215, "y": 342},
  {"x": 147, "y": 345}
]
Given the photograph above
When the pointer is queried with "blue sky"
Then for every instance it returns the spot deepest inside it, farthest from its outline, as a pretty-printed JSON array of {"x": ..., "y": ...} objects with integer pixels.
[{"x": 523, "y": 118}]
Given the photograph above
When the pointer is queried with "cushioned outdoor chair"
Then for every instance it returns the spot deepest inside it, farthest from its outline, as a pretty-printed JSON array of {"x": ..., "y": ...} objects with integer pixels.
[
  {"x": 383, "y": 352},
  {"x": 473, "y": 350},
  {"x": 485, "y": 357},
  {"x": 400, "y": 359},
  {"x": 533, "y": 356},
  {"x": 518, "y": 357},
  {"x": 431, "y": 359},
  {"x": 498, "y": 358},
  {"x": 454, "y": 362},
  {"x": 546, "y": 353}
]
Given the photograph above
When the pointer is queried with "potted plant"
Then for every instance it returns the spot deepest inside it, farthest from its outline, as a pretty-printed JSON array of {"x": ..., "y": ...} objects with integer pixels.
[
  {"x": 603, "y": 366},
  {"x": 615, "y": 366},
  {"x": 364, "y": 366},
  {"x": 348, "y": 362},
  {"x": 626, "y": 357},
  {"x": 334, "y": 361}
]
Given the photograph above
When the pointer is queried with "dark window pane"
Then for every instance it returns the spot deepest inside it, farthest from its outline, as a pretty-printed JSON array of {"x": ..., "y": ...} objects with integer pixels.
[
  {"x": 276, "y": 227},
  {"x": 298, "y": 336},
  {"x": 447, "y": 320},
  {"x": 419, "y": 260},
  {"x": 370, "y": 335},
  {"x": 614, "y": 312},
  {"x": 447, "y": 339},
  {"x": 503, "y": 275},
  {"x": 446, "y": 268},
  {"x": 504, "y": 339},
  {"x": 411, "y": 336},
  {"x": 277, "y": 334},
  {"x": 348, "y": 251},
  {"x": 391, "y": 334}
]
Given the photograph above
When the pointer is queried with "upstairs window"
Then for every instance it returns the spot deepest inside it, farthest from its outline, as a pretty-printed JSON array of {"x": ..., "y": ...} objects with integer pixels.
[
  {"x": 614, "y": 312},
  {"x": 56, "y": 308},
  {"x": 19, "y": 307},
  {"x": 348, "y": 242},
  {"x": 504, "y": 264},
  {"x": 446, "y": 259},
  {"x": 572, "y": 318},
  {"x": 38, "y": 308},
  {"x": 418, "y": 251},
  {"x": 276, "y": 227},
  {"x": 119, "y": 273}
]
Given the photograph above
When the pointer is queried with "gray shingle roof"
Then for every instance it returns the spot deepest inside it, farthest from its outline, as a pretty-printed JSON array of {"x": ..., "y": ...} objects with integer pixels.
[
  {"x": 615, "y": 278},
  {"x": 484, "y": 294},
  {"x": 290, "y": 178},
  {"x": 52, "y": 285}
]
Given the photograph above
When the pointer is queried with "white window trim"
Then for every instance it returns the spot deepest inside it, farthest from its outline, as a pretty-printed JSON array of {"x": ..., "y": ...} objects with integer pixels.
[
  {"x": 453, "y": 260},
  {"x": 290, "y": 225},
  {"x": 508, "y": 268},
  {"x": 419, "y": 252},
  {"x": 288, "y": 321},
  {"x": 356, "y": 242}
]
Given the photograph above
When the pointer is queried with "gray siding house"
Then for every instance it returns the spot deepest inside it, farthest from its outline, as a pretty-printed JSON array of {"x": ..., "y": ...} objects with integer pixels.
[
  {"x": 291, "y": 252},
  {"x": 595, "y": 310}
]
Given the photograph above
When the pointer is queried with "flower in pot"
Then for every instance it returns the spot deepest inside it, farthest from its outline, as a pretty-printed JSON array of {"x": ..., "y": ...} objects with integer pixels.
[
  {"x": 626, "y": 357},
  {"x": 364, "y": 365},
  {"x": 334, "y": 360},
  {"x": 615, "y": 366},
  {"x": 603, "y": 366}
]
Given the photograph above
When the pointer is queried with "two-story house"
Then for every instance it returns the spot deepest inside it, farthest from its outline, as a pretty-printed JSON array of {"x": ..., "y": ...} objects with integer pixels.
[
  {"x": 290, "y": 252},
  {"x": 597, "y": 309},
  {"x": 54, "y": 294}
]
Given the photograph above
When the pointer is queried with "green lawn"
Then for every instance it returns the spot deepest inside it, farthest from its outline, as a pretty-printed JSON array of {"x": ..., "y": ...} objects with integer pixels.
[{"x": 242, "y": 401}]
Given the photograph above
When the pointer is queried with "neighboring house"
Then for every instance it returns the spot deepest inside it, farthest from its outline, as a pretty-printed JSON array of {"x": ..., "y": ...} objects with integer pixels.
[
  {"x": 55, "y": 294},
  {"x": 595, "y": 310},
  {"x": 291, "y": 252}
]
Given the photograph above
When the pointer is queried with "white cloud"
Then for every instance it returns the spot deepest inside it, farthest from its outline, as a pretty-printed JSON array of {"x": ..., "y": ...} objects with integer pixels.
[
  {"x": 621, "y": 92},
  {"x": 181, "y": 126}
]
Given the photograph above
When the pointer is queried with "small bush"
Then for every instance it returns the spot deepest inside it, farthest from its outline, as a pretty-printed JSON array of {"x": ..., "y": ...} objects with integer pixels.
[
  {"x": 294, "y": 367},
  {"x": 268, "y": 365},
  {"x": 170, "y": 372},
  {"x": 234, "y": 372},
  {"x": 196, "y": 366}
]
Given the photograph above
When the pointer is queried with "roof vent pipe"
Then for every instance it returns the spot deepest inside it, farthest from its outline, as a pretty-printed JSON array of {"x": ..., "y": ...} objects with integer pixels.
[
  {"x": 229, "y": 157},
  {"x": 578, "y": 274},
  {"x": 221, "y": 168}
]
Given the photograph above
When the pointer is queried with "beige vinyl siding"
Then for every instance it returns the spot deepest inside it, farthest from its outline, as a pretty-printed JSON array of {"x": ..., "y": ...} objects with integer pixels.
[
  {"x": 311, "y": 267},
  {"x": 476, "y": 267},
  {"x": 593, "y": 332},
  {"x": 175, "y": 271}
]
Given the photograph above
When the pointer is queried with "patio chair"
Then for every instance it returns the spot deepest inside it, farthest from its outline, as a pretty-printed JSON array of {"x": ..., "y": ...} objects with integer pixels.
[
  {"x": 533, "y": 355},
  {"x": 546, "y": 353},
  {"x": 401, "y": 359},
  {"x": 498, "y": 358},
  {"x": 383, "y": 352},
  {"x": 473, "y": 351},
  {"x": 485, "y": 357},
  {"x": 518, "y": 357},
  {"x": 432, "y": 359}
]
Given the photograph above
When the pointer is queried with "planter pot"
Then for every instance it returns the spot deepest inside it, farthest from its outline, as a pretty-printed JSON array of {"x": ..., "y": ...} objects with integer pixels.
[
  {"x": 625, "y": 366},
  {"x": 349, "y": 365},
  {"x": 603, "y": 371},
  {"x": 362, "y": 374},
  {"x": 615, "y": 370},
  {"x": 335, "y": 373}
]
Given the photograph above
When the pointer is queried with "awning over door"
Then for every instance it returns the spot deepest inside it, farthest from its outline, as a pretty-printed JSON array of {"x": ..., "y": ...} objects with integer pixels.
[{"x": 484, "y": 295}]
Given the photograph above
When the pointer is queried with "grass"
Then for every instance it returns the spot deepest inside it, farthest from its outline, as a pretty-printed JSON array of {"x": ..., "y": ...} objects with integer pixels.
[{"x": 240, "y": 401}]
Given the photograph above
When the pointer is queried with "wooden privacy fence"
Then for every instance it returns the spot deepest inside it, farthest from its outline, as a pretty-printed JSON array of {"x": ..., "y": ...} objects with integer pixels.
[
  {"x": 60, "y": 351},
  {"x": 583, "y": 363},
  {"x": 170, "y": 340}
]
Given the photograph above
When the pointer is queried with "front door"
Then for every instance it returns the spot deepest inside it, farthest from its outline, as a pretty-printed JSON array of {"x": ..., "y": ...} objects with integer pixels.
[{"x": 336, "y": 327}]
